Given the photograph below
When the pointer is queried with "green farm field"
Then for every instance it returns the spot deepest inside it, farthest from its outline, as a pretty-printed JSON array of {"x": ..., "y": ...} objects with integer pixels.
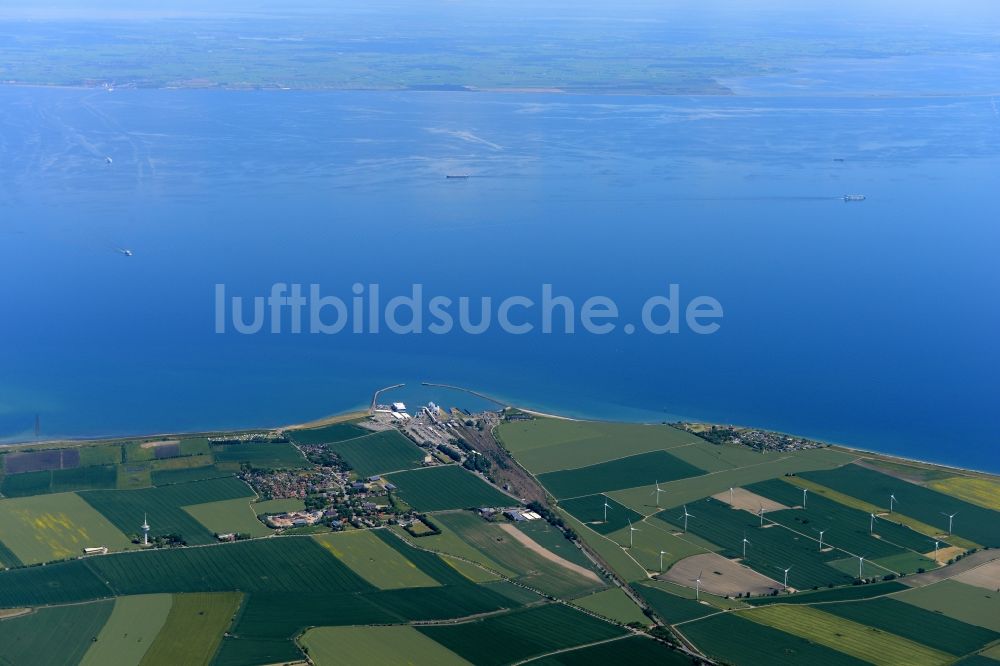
[
  {"x": 652, "y": 537},
  {"x": 771, "y": 549},
  {"x": 227, "y": 516},
  {"x": 643, "y": 469},
  {"x": 768, "y": 466},
  {"x": 846, "y": 636},
  {"x": 553, "y": 540},
  {"x": 379, "y": 453},
  {"x": 262, "y": 456},
  {"x": 163, "y": 506},
  {"x": 848, "y": 528},
  {"x": 450, "y": 543},
  {"x": 923, "y": 626},
  {"x": 245, "y": 565},
  {"x": 613, "y": 604},
  {"x": 733, "y": 639},
  {"x": 132, "y": 476},
  {"x": 446, "y": 487},
  {"x": 530, "y": 567},
  {"x": 166, "y": 477},
  {"x": 278, "y": 506},
  {"x": 973, "y": 522},
  {"x": 343, "y": 646},
  {"x": 969, "y": 604},
  {"x": 628, "y": 650},
  {"x": 851, "y": 593},
  {"x": 591, "y": 511},
  {"x": 547, "y": 445},
  {"x": 518, "y": 635},
  {"x": 193, "y": 629},
  {"x": 58, "y": 636},
  {"x": 130, "y": 630},
  {"x": 609, "y": 550},
  {"x": 67, "y": 582},
  {"x": 375, "y": 561},
  {"x": 59, "y": 481},
  {"x": 672, "y": 608},
  {"x": 54, "y": 527}
]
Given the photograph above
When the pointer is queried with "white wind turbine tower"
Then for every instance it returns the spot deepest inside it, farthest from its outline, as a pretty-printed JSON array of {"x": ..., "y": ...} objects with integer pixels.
[
  {"x": 746, "y": 542},
  {"x": 951, "y": 517},
  {"x": 730, "y": 495},
  {"x": 662, "y": 553},
  {"x": 821, "y": 532},
  {"x": 631, "y": 533},
  {"x": 861, "y": 564},
  {"x": 145, "y": 530},
  {"x": 805, "y": 492},
  {"x": 786, "y": 577},
  {"x": 657, "y": 492},
  {"x": 686, "y": 516},
  {"x": 935, "y": 551},
  {"x": 606, "y": 507},
  {"x": 892, "y": 501},
  {"x": 871, "y": 524},
  {"x": 697, "y": 587},
  {"x": 761, "y": 514}
]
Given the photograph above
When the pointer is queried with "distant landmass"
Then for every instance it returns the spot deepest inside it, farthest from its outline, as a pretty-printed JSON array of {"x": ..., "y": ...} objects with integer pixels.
[{"x": 644, "y": 48}]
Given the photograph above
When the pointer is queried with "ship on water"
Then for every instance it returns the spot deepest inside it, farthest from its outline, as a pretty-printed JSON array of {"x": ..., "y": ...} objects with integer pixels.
[
  {"x": 854, "y": 197},
  {"x": 457, "y": 176}
]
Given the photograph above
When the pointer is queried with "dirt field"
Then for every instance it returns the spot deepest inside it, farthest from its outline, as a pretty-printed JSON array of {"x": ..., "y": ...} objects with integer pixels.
[
  {"x": 986, "y": 576},
  {"x": 165, "y": 442},
  {"x": 945, "y": 554},
  {"x": 721, "y": 576},
  {"x": 748, "y": 501},
  {"x": 532, "y": 545}
]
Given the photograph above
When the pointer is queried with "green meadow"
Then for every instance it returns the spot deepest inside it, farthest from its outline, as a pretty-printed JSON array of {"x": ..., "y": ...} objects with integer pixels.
[
  {"x": 130, "y": 630},
  {"x": 370, "y": 557},
  {"x": 446, "y": 487}
]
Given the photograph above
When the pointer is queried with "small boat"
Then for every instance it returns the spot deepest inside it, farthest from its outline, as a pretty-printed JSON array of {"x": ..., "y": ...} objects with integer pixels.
[
  {"x": 458, "y": 176},
  {"x": 126, "y": 252},
  {"x": 854, "y": 197},
  {"x": 107, "y": 160}
]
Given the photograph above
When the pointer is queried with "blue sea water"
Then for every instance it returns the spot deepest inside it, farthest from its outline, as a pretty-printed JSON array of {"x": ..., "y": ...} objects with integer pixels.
[{"x": 872, "y": 324}]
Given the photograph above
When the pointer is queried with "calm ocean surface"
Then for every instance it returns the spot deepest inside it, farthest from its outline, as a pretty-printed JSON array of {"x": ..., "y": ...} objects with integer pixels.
[{"x": 872, "y": 324}]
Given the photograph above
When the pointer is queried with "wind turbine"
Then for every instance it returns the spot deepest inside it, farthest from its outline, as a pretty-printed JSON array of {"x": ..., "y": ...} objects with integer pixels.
[
  {"x": 871, "y": 524},
  {"x": 805, "y": 491},
  {"x": 786, "y": 577},
  {"x": 606, "y": 507},
  {"x": 730, "y": 495},
  {"x": 935, "y": 551},
  {"x": 657, "y": 492},
  {"x": 761, "y": 514},
  {"x": 951, "y": 517},
  {"x": 892, "y": 501},
  {"x": 662, "y": 553},
  {"x": 697, "y": 587},
  {"x": 631, "y": 533},
  {"x": 821, "y": 539},
  {"x": 861, "y": 564},
  {"x": 746, "y": 542},
  {"x": 686, "y": 516}
]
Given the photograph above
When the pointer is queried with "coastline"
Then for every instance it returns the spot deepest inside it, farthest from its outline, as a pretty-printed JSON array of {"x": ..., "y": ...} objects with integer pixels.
[{"x": 359, "y": 411}]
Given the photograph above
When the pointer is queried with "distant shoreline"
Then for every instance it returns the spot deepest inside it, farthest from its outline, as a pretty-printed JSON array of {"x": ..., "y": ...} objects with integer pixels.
[{"x": 361, "y": 412}]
